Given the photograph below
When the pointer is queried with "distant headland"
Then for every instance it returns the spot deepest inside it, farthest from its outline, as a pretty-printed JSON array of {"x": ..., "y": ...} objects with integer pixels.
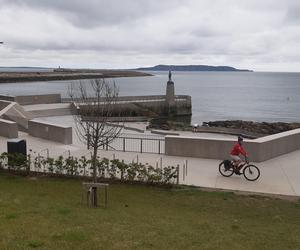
[
  {"x": 28, "y": 74},
  {"x": 163, "y": 67}
]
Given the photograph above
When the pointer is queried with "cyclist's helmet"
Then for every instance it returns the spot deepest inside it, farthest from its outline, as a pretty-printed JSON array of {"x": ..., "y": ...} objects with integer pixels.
[{"x": 240, "y": 138}]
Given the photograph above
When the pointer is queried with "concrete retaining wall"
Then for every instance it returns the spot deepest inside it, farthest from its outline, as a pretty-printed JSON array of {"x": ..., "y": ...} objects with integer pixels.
[
  {"x": 7, "y": 98},
  {"x": 8, "y": 129},
  {"x": 38, "y": 99},
  {"x": 148, "y": 106},
  {"x": 4, "y": 104},
  {"x": 51, "y": 112},
  {"x": 33, "y": 99},
  {"x": 51, "y": 132},
  {"x": 260, "y": 149}
]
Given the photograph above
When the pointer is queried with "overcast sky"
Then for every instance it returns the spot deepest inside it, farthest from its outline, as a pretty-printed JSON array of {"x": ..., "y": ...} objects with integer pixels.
[{"x": 262, "y": 35}]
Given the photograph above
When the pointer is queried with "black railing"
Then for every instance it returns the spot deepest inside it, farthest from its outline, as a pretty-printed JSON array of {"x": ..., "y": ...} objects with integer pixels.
[{"x": 136, "y": 143}]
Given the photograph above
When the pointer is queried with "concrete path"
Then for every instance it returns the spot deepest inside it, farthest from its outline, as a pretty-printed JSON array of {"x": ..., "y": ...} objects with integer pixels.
[{"x": 280, "y": 175}]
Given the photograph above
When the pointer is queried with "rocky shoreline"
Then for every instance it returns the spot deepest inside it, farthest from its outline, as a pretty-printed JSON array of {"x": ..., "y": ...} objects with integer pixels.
[
  {"x": 253, "y": 128},
  {"x": 247, "y": 129},
  {"x": 56, "y": 75}
]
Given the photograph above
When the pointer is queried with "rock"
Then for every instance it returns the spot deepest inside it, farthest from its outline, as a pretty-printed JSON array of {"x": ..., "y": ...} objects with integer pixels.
[{"x": 267, "y": 128}]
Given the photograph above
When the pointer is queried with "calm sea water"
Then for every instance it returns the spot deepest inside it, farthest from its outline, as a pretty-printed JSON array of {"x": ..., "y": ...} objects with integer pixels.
[{"x": 254, "y": 96}]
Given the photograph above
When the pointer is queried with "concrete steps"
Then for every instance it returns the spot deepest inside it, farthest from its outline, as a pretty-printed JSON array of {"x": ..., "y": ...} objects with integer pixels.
[{"x": 15, "y": 112}]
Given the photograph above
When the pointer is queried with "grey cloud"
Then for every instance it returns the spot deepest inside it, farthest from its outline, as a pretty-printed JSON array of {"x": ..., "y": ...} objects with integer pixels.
[
  {"x": 293, "y": 15},
  {"x": 93, "y": 13},
  {"x": 118, "y": 33}
]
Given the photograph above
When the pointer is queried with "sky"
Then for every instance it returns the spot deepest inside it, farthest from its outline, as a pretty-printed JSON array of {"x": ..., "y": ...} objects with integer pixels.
[{"x": 117, "y": 34}]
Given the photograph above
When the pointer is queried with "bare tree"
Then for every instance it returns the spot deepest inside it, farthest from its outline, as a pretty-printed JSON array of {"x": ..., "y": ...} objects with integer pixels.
[{"x": 96, "y": 103}]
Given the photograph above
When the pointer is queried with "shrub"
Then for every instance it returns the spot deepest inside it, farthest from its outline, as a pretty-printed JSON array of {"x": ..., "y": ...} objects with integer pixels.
[{"x": 112, "y": 169}]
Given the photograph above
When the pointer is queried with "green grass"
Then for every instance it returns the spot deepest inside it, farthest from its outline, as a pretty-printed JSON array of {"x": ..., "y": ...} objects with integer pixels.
[{"x": 47, "y": 214}]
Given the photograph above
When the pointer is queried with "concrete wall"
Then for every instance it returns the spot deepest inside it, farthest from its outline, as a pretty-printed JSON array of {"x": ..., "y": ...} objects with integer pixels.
[
  {"x": 51, "y": 132},
  {"x": 4, "y": 104},
  {"x": 38, "y": 99},
  {"x": 33, "y": 99},
  {"x": 7, "y": 98},
  {"x": 51, "y": 112},
  {"x": 146, "y": 105},
  {"x": 8, "y": 129},
  {"x": 260, "y": 149}
]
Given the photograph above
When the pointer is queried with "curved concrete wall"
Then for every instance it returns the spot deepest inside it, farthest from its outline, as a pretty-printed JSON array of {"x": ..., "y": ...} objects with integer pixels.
[{"x": 260, "y": 149}]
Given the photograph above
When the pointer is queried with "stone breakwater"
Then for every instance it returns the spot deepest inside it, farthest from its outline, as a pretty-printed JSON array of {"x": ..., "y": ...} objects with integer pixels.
[
  {"x": 8, "y": 77},
  {"x": 262, "y": 128}
]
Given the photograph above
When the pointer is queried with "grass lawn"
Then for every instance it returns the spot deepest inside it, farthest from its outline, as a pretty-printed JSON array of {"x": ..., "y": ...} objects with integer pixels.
[{"x": 46, "y": 213}]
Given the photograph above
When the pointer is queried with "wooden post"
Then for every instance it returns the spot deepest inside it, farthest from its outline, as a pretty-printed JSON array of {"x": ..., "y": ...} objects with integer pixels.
[
  {"x": 94, "y": 197},
  {"x": 141, "y": 145},
  {"x": 183, "y": 172},
  {"x": 106, "y": 197},
  {"x": 124, "y": 145}
]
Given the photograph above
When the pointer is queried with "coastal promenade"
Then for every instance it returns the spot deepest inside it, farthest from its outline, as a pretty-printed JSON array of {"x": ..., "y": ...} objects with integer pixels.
[{"x": 279, "y": 176}]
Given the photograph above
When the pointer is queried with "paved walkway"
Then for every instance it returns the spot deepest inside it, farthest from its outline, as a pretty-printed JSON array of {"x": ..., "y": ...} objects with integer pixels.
[{"x": 280, "y": 175}]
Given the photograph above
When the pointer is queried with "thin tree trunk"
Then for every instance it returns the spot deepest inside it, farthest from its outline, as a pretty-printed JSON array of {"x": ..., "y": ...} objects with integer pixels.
[
  {"x": 94, "y": 189},
  {"x": 94, "y": 165}
]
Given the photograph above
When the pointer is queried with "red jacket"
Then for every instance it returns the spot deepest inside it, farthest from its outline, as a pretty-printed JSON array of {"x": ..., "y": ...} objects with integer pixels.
[{"x": 238, "y": 149}]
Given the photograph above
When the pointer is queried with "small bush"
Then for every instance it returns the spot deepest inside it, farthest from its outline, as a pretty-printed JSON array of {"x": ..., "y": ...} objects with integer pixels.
[{"x": 110, "y": 169}]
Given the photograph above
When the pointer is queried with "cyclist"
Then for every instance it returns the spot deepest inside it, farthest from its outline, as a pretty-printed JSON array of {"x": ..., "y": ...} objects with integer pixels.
[{"x": 234, "y": 154}]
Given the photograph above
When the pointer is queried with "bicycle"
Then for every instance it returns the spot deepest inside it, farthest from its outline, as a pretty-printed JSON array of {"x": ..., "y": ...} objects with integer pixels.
[{"x": 250, "y": 171}]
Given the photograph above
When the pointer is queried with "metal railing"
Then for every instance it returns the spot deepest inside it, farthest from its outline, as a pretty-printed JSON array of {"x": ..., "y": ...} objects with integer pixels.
[{"x": 135, "y": 143}]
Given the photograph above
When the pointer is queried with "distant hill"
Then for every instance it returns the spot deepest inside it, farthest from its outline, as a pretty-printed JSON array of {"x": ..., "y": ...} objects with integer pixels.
[{"x": 163, "y": 67}]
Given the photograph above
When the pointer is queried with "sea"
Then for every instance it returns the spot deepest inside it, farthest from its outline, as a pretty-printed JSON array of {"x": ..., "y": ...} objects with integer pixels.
[{"x": 251, "y": 96}]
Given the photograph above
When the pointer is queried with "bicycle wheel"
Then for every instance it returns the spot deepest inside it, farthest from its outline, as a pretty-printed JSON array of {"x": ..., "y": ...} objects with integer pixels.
[
  {"x": 225, "y": 170},
  {"x": 251, "y": 173}
]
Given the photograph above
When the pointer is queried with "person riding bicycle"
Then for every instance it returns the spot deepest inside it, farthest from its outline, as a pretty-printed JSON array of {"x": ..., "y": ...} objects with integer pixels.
[{"x": 235, "y": 152}]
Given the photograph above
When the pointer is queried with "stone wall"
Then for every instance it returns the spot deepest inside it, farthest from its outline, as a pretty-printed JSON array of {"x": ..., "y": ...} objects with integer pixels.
[
  {"x": 51, "y": 132},
  {"x": 259, "y": 150}
]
